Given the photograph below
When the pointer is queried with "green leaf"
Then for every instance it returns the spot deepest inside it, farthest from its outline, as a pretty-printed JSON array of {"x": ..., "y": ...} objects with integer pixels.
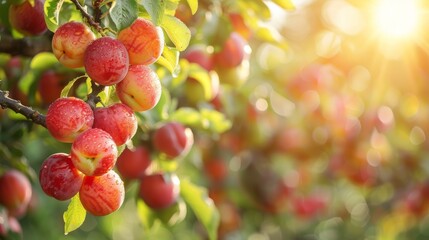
[
  {"x": 58, "y": 12},
  {"x": 123, "y": 14},
  {"x": 216, "y": 121},
  {"x": 163, "y": 105},
  {"x": 74, "y": 216},
  {"x": 177, "y": 31},
  {"x": 155, "y": 8},
  {"x": 43, "y": 61},
  {"x": 146, "y": 215},
  {"x": 206, "y": 119},
  {"x": 105, "y": 95},
  {"x": 66, "y": 89},
  {"x": 193, "y": 4},
  {"x": 217, "y": 31},
  {"x": 171, "y": 6},
  {"x": 170, "y": 60},
  {"x": 173, "y": 214},
  {"x": 52, "y": 10},
  {"x": 202, "y": 76},
  {"x": 271, "y": 35},
  {"x": 205, "y": 210},
  {"x": 184, "y": 67},
  {"x": 27, "y": 80},
  {"x": 4, "y": 13},
  {"x": 187, "y": 116},
  {"x": 285, "y": 4},
  {"x": 259, "y": 7}
]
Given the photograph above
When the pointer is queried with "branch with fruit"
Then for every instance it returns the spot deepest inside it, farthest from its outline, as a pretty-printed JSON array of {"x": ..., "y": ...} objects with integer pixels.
[{"x": 113, "y": 85}]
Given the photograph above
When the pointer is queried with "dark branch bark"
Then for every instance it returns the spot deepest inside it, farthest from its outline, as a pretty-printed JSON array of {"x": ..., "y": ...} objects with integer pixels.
[
  {"x": 93, "y": 97},
  {"x": 15, "y": 105},
  {"x": 97, "y": 11},
  {"x": 24, "y": 47},
  {"x": 89, "y": 18}
]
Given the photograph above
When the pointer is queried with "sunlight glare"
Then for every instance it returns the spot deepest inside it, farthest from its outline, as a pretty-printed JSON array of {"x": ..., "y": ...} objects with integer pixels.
[{"x": 397, "y": 18}]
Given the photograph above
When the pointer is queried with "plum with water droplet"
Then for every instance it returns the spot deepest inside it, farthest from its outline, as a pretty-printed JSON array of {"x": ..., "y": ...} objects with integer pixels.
[
  {"x": 59, "y": 178},
  {"x": 102, "y": 195},
  {"x": 94, "y": 152}
]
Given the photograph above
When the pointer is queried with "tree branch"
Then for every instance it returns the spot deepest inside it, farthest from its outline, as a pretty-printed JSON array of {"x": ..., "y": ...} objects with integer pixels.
[
  {"x": 28, "y": 47},
  {"x": 93, "y": 97},
  {"x": 15, "y": 105},
  {"x": 89, "y": 18},
  {"x": 97, "y": 11}
]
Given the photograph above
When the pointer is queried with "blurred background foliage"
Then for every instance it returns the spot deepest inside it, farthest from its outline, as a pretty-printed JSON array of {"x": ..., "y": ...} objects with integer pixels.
[{"x": 328, "y": 127}]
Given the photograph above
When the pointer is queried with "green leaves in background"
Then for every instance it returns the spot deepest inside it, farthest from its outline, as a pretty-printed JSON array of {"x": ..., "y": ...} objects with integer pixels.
[
  {"x": 163, "y": 106},
  {"x": 203, "y": 207},
  {"x": 271, "y": 35},
  {"x": 43, "y": 61},
  {"x": 205, "y": 119},
  {"x": 4, "y": 13},
  {"x": 168, "y": 216},
  {"x": 196, "y": 72},
  {"x": 195, "y": 197},
  {"x": 123, "y": 14},
  {"x": 74, "y": 216},
  {"x": 201, "y": 76},
  {"x": 146, "y": 215},
  {"x": 29, "y": 82},
  {"x": 193, "y": 4},
  {"x": 285, "y": 4}
]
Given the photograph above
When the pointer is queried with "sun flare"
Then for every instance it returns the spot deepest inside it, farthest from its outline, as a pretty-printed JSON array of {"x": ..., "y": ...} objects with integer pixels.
[{"x": 397, "y": 18}]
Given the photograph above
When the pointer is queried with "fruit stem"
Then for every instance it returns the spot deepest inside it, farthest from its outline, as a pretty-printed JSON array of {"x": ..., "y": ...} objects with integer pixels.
[
  {"x": 89, "y": 18},
  {"x": 15, "y": 105},
  {"x": 93, "y": 97}
]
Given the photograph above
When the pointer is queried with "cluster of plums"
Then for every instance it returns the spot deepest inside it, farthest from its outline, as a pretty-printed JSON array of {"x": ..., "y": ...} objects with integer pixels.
[{"x": 95, "y": 133}]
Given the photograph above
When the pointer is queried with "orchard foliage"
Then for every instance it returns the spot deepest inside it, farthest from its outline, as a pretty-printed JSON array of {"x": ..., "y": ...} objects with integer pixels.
[
  {"x": 113, "y": 82},
  {"x": 205, "y": 120}
]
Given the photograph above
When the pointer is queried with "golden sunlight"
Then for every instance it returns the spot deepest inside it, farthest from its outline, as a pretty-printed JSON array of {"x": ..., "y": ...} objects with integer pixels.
[{"x": 397, "y": 18}]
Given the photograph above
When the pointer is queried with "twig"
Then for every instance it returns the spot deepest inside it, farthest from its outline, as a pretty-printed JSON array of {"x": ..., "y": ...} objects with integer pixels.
[
  {"x": 93, "y": 97},
  {"x": 89, "y": 18},
  {"x": 15, "y": 105},
  {"x": 97, "y": 11}
]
